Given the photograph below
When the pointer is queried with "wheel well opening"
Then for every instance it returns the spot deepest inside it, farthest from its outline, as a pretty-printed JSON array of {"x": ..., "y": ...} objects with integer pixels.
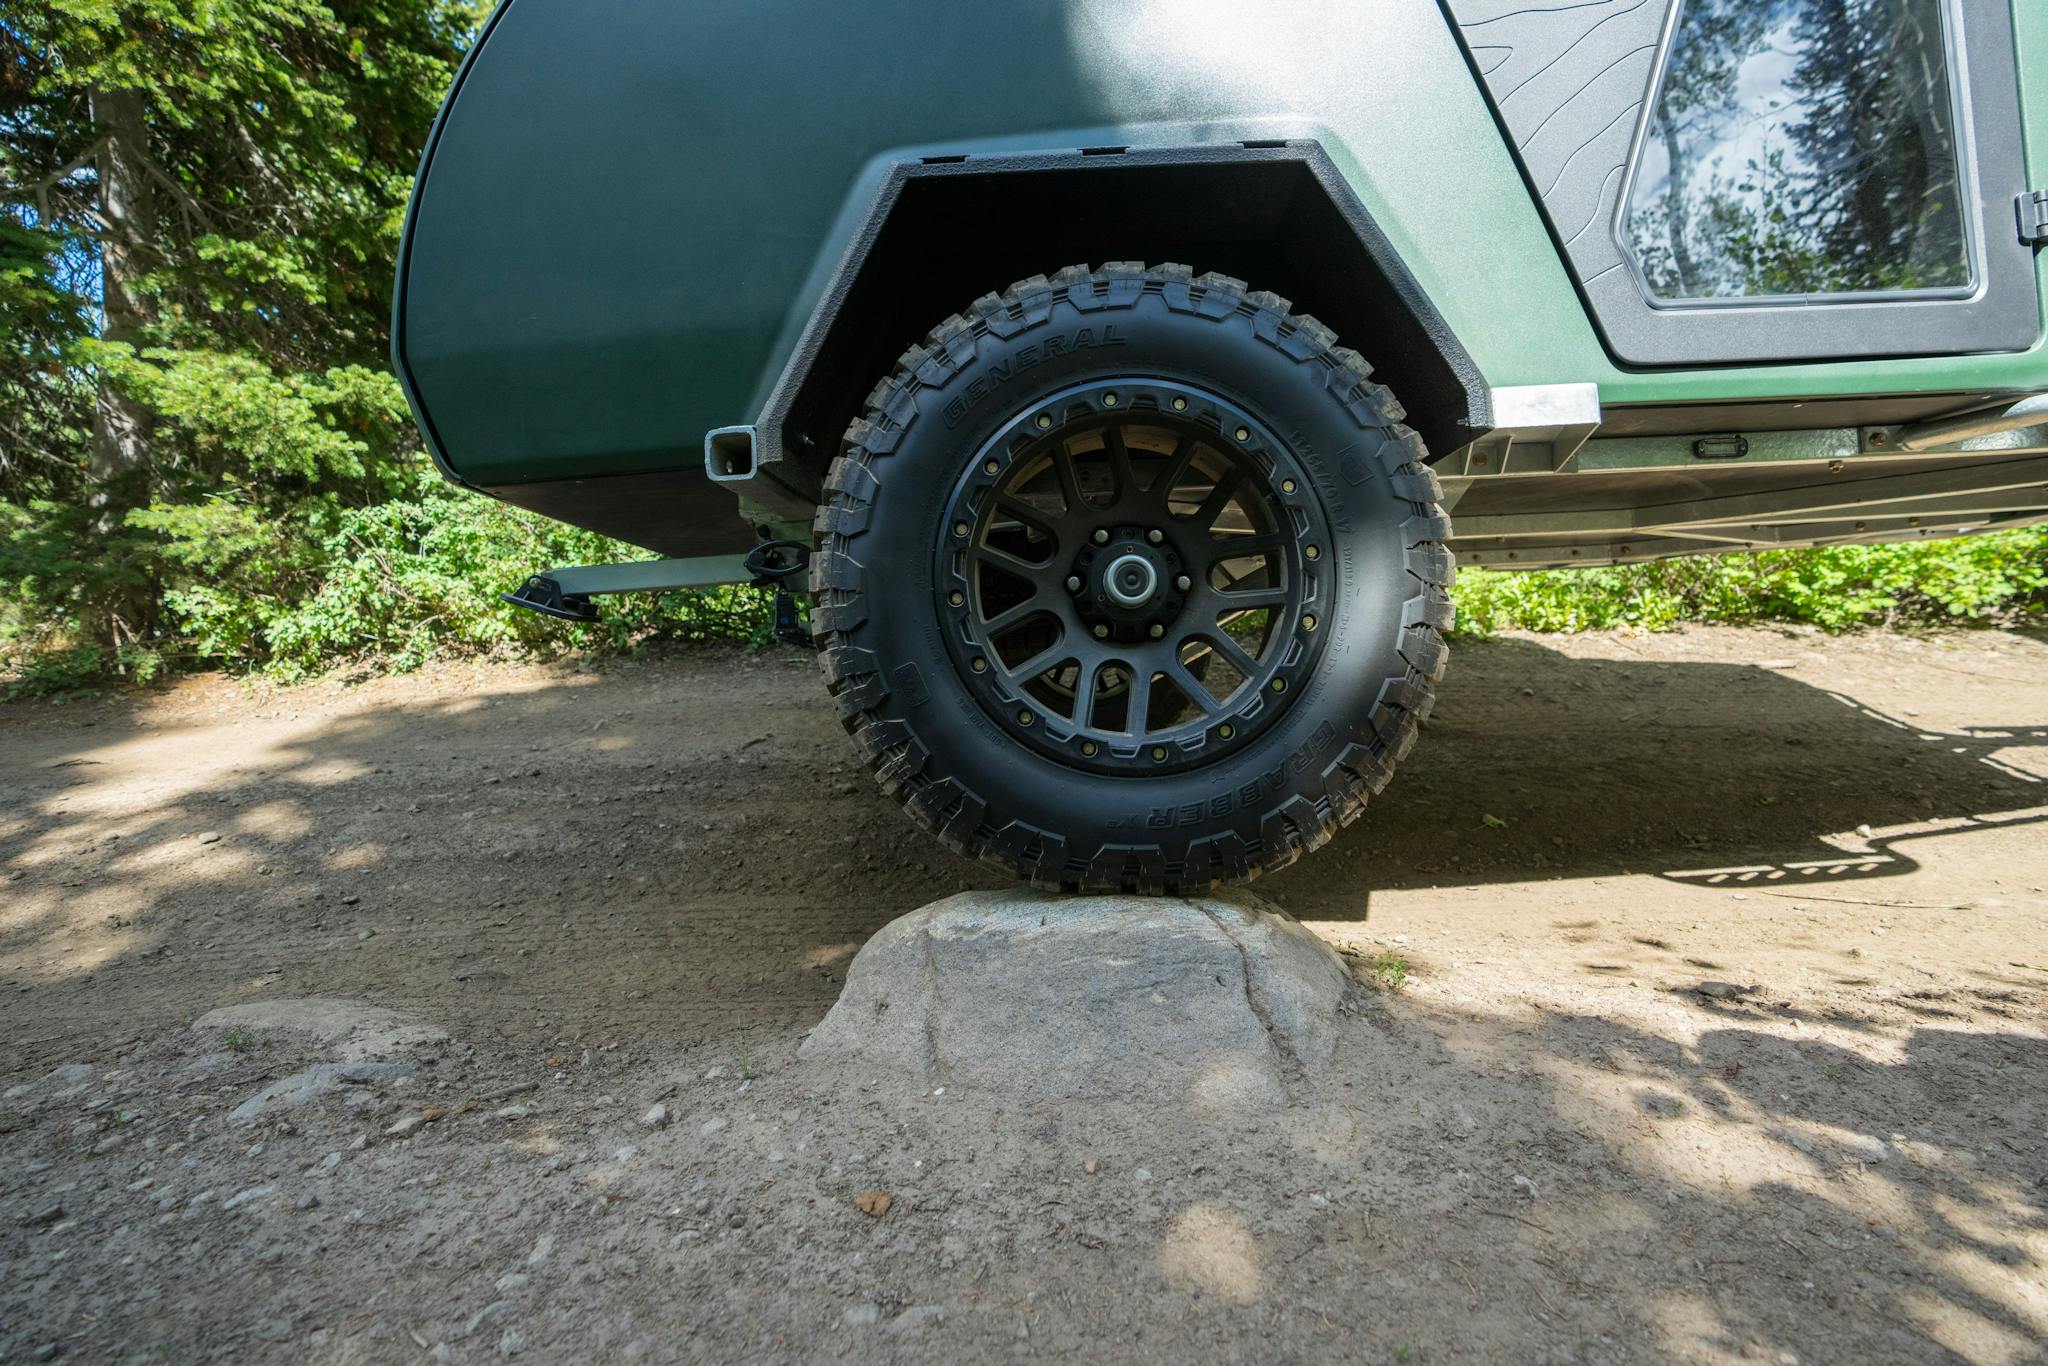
[{"x": 1278, "y": 218}]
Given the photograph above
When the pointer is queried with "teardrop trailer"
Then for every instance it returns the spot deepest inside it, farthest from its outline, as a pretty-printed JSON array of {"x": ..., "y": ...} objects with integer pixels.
[{"x": 1118, "y": 381}]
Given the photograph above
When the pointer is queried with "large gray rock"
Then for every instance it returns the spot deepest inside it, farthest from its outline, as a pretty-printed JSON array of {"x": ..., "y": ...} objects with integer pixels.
[{"x": 1220, "y": 999}]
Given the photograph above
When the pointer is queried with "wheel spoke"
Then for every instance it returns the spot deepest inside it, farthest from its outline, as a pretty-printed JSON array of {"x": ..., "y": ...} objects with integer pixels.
[
  {"x": 1234, "y": 652},
  {"x": 1084, "y": 691},
  {"x": 1120, "y": 466},
  {"x": 1219, "y": 498},
  {"x": 1230, "y": 548},
  {"x": 1177, "y": 469},
  {"x": 1249, "y": 599},
  {"x": 1040, "y": 662},
  {"x": 1036, "y": 575},
  {"x": 1184, "y": 678},
  {"x": 1030, "y": 516},
  {"x": 1004, "y": 620},
  {"x": 1139, "y": 700},
  {"x": 1070, "y": 481}
]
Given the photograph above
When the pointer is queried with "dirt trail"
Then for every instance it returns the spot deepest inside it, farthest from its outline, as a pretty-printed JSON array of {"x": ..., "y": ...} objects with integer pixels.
[{"x": 1723, "y": 1034}]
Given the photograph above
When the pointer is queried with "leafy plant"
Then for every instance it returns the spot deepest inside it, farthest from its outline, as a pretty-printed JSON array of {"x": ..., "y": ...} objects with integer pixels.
[{"x": 1998, "y": 578}]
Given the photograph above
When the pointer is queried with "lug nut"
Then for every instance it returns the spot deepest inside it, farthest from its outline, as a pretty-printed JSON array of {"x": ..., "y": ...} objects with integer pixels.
[
  {"x": 1101, "y": 537},
  {"x": 1102, "y": 633},
  {"x": 1073, "y": 583},
  {"x": 1157, "y": 630},
  {"x": 1183, "y": 583},
  {"x": 1155, "y": 536}
]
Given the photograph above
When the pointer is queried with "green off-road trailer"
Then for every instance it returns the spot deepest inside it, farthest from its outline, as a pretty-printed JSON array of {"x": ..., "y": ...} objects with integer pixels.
[{"x": 1119, "y": 378}]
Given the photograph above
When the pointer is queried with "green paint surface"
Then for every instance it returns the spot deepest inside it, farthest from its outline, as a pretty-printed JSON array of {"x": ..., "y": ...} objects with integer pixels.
[{"x": 634, "y": 205}]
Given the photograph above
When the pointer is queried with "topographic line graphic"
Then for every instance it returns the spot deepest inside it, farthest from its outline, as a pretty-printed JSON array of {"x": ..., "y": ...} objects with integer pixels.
[
  {"x": 1507, "y": 54},
  {"x": 1598, "y": 204},
  {"x": 1584, "y": 145},
  {"x": 1523, "y": 145},
  {"x": 1570, "y": 48},
  {"x": 1536, "y": 9}
]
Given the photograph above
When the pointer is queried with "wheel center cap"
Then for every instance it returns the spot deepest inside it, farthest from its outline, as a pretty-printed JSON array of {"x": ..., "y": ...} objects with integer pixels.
[{"x": 1130, "y": 580}]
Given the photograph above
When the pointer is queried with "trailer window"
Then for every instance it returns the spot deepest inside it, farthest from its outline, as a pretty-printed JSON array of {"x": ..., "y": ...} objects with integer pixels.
[{"x": 1800, "y": 148}]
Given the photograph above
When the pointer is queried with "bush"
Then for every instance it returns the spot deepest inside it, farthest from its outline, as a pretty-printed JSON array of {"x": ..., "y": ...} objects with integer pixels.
[
  {"x": 416, "y": 576},
  {"x": 1998, "y": 578}
]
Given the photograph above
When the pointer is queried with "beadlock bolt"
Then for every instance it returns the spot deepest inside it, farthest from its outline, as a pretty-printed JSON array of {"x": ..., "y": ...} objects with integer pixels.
[
  {"x": 956, "y": 597},
  {"x": 1180, "y": 405},
  {"x": 1243, "y": 433},
  {"x": 1287, "y": 486},
  {"x": 1044, "y": 421}
]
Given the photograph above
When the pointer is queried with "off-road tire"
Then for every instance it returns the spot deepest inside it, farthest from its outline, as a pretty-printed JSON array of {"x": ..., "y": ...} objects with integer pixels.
[{"x": 903, "y": 699}]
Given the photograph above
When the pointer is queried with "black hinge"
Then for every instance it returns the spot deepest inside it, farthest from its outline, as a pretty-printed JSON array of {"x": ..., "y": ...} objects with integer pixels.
[{"x": 2033, "y": 207}]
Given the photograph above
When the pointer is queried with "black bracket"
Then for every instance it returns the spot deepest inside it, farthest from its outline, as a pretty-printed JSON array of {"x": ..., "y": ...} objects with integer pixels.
[
  {"x": 773, "y": 563},
  {"x": 542, "y": 594}
]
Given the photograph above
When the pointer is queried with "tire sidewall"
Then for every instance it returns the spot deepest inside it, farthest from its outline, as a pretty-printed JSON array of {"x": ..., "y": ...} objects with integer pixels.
[{"x": 1360, "y": 596}]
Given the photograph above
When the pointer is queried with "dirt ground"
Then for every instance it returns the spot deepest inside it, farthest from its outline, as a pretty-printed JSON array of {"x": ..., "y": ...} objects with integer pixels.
[{"x": 1721, "y": 1036}]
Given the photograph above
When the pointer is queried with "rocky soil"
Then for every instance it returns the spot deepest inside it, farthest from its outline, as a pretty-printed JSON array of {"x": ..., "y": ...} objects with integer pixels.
[{"x": 1700, "y": 1013}]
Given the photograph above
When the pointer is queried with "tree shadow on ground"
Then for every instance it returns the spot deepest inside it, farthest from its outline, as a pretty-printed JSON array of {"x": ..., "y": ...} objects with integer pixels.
[
  {"x": 1539, "y": 766},
  {"x": 604, "y": 848},
  {"x": 666, "y": 854}
]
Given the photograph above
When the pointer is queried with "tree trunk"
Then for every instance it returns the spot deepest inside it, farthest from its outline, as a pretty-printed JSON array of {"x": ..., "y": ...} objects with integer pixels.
[
  {"x": 1677, "y": 204},
  {"x": 119, "y": 465}
]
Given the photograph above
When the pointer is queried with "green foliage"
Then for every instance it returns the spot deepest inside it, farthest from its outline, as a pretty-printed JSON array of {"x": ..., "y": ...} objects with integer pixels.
[
  {"x": 1997, "y": 578},
  {"x": 199, "y": 211},
  {"x": 203, "y": 459}
]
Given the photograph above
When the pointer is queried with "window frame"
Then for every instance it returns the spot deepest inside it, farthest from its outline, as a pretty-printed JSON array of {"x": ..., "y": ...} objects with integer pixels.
[
  {"x": 1955, "y": 67},
  {"x": 1998, "y": 311}
]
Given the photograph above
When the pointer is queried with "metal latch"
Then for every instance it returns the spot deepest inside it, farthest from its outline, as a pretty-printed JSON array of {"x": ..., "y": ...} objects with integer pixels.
[{"x": 2033, "y": 207}]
